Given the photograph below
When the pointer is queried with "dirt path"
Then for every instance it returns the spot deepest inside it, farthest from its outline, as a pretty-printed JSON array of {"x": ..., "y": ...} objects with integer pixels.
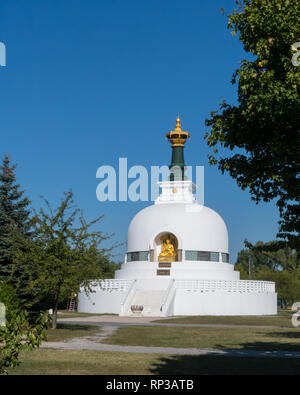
[
  {"x": 114, "y": 320},
  {"x": 109, "y": 324},
  {"x": 88, "y": 344}
]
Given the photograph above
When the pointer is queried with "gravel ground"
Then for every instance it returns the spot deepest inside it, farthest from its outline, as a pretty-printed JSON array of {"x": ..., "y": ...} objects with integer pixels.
[
  {"x": 136, "y": 321},
  {"x": 109, "y": 324},
  {"x": 86, "y": 344}
]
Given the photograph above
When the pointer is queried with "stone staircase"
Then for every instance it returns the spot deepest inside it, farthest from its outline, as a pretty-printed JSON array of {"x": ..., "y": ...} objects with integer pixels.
[{"x": 150, "y": 300}]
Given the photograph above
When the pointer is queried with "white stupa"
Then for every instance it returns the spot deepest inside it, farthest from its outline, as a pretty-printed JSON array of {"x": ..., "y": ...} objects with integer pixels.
[{"x": 177, "y": 260}]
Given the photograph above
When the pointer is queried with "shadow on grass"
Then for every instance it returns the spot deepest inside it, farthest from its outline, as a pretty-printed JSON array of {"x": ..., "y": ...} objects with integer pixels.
[
  {"x": 223, "y": 365},
  {"x": 264, "y": 346},
  {"x": 289, "y": 335},
  {"x": 215, "y": 364},
  {"x": 273, "y": 345}
]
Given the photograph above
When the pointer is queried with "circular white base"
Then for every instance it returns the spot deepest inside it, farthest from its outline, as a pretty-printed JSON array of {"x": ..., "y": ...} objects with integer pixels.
[{"x": 169, "y": 297}]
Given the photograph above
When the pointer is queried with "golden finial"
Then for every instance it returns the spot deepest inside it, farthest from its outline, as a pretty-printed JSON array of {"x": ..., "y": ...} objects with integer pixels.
[
  {"x": 177, "y": 136},
  {"x": 178, "y": 124}
]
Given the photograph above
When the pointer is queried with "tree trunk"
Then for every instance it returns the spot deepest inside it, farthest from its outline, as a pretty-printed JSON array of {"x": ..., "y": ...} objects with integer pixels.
[{"x": 54, "y": 317}]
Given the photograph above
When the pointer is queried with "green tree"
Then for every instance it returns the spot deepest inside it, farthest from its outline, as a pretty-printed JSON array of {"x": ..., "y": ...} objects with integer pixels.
[
  {"x": 262, "y": 262},
  {"x": 262, "y": 255},
  {"x": 287, "y": 283},
  {"x": 18, "y": 334},
  {"x": 63, "y": 254},
  {"x": 263, "y": 128},
  {"x": 244, "y": 264},
  {"x": 108, "y": 267},
  {"x": 14, "y": 218}
]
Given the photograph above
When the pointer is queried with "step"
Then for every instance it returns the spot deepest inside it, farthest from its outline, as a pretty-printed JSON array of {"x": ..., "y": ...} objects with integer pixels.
[{"x": 151, "y": 300}]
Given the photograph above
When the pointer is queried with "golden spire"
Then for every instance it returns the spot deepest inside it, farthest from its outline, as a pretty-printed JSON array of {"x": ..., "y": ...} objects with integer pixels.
[
  {"x": 177, "y": 136},
  {"x": 178, "y": 124}
]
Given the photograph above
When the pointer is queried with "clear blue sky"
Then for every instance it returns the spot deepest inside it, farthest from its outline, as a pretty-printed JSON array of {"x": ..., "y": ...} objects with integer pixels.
[{"x": 87, "y": 82}]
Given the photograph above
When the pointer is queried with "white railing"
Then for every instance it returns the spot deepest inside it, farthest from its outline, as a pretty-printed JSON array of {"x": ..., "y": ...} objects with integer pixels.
[
  {"x": 112, "y": 285},
  {"x": 128, "y": 298},
  {"x": 168, "y": 298},
  {"x": 242, "y": 286}
]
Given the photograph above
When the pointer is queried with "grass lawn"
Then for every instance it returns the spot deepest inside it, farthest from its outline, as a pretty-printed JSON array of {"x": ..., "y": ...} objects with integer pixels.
[
  {"x": 57, "y": 362},
  {"x": 66, "y": 332},
  {"x": 79, "y": 362},
  {"x": 282, "y": 319},
  {"x": 210, "y": 337}
]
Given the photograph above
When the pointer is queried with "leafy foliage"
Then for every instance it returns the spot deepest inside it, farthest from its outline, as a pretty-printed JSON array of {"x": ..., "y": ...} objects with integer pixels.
[
  {"x": 262, "y": 262},
  {"x": 18, "y": 334},
  {"x": 287, "y": 283},
  {"x": 259, "y": 255},
  {"x": 61, "y": 257},
  {"x": 264, "y": 127}
]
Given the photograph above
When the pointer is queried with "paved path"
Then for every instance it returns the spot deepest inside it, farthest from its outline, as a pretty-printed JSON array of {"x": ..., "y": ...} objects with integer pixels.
[
  {"x": 89, "y": 344},
  {"x": 112, "y": 320},
  {"x": 109, "y": 324}
]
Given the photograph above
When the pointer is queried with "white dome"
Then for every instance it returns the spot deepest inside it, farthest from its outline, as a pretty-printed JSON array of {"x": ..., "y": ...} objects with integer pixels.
[{"x": 196, "y": 227}]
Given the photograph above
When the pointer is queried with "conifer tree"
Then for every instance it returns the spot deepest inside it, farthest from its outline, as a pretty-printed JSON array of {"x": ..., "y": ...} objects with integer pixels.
[{"x": 14, "y": 218}]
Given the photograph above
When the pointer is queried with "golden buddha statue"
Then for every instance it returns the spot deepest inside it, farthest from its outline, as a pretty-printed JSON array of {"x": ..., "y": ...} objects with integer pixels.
[{"x": 167, "y": 251}]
